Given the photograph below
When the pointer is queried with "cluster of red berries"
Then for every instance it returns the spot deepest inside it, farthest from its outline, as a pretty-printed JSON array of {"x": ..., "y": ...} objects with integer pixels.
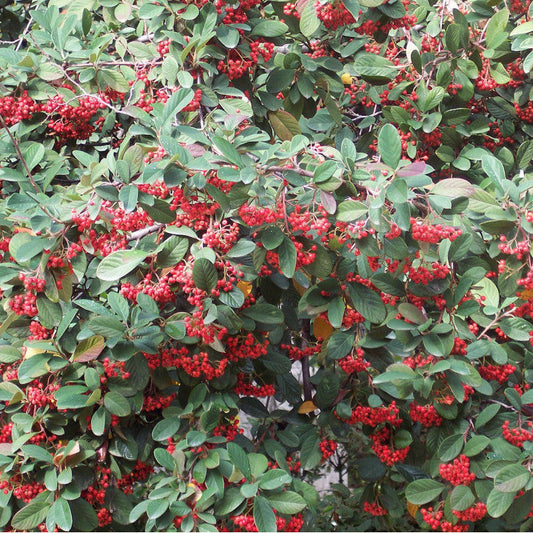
[
  {"x": 261, "y": 49},
  {"x": 140, "y": 473},
  {"x": 199, "y": 365},
  {"x": 229, "y": 430},
  {"x": 333, "y": 15},
  {"x": 518, "y": 435},
  {"x": 28, "y": 491},
  {"x": 40, "y": 395},
  {"x": 472, "y": 514},
  {"x": 32, "y": 283},
  {"x": 425, "y": 414},
  {"x": 104, "y": 517},
  {"x": 432, "y": 234},
  {"x": 113, "y": 369},
  {"x": 374, "y": 508},
  {"x": 38, "y": 332},
  {"x": 156, "y": 402},
  {"x": 383, "y": 447},
  {"x": 163, "y": 47},
  {"x": 14, "y": 109},
  {"x": 499, "y": 373},
  {"x": 327, "y": 448},
  {"x": 373, "y": 416},
  {"x": 245, "y": 347},
  {"x": 423, "y": 275},
  {"x": 457, "y": 472},
  {"x": 24, "y": 304},
  {"x": 354, "y": 363},
  {"x": 73, "y": 122},
  {"x": 243, "y": 387},
  {"x": 296, "y": 353},
  {"x": 519, "y": 250}
]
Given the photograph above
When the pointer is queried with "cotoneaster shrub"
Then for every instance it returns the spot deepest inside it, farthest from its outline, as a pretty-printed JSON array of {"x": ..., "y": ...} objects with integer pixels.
[{"x": 244, "y": 241}]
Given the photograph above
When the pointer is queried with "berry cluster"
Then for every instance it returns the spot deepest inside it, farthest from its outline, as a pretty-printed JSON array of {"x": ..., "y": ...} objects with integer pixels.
[
  {"x": 425, "y": 414},
  {"x": 432, "y": 234},
  {"x": 327, "y": 448},
  {"x": 373, "y": 416},
  {"x": 499, "y": 373},
  {"x": 518, "y": 435},
  {"x": 374, "y": 508},
  {"x": 457, "y": 472}
]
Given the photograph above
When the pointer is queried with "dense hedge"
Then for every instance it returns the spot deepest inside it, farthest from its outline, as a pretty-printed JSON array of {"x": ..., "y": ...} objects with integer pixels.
[{"x": 245, "y": 242}]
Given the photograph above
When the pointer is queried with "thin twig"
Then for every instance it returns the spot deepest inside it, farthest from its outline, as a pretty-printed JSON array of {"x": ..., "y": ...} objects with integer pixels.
[
  {"x": 139, "y": 234},
  {"x": 27, "y": 169}
]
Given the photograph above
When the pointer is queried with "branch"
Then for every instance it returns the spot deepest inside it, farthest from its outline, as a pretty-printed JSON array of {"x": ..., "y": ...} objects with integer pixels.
[
  {"x": 140, "y": 233},
  {"x": 26, "y": 168},
  {"x": 306, "y": 375}
]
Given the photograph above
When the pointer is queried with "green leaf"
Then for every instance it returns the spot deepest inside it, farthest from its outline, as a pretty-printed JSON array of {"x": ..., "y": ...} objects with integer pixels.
[
  {"x": 179, "y": 100},
  {"x": 108, "y": 326},
  {"x": 340, "y": 344},
  {"x": 264, "y": 517},
  {"x": 496, "y": 26},
  {"x": 451, "y": 447},
  {"x": 272, "y": 237},
  {"x": 84, "y": 515},
  {"x": 165, "y": 459},
  {"x": 374, "y": 68},
  {"x": 30, "y": 516},
  {"x": 284, "y": 124},
  {"x": 116, "y": 404},
  {"x": 498, "y": 502},
  {"x": 239, "y": 459},
  {"x": 287, "y": 257},
  {"x": 511, "y": 478},
  {"x": 166, "y": 428},
  {"x": 368, "y": 303},
  {"x": 195, "y": 438},
  {"x": 33, "y": 367},
  {"x": 113, "y": 79},
  {"x": 89, "y": 349},
  {"x": 422, "y": 491},
  {"x": 204, "y": 274},
  {"x": 288, "y": 502},
  {"x": 159, "y": 211},
  {"x": 412, "y": 313},
  {"x": 36, "y": 452},
  {"x": 476, "y": 445},
  {"x": 494, "y": 169},
  {"x": 453, "y": 188},
  {"x": 264, "y": 313},
  {"x": 118, "y": 264},
  {"x": 50, "y": 71},
  {"x": 327, "y": 390},
  {"x": 390, "y": 145},
  {"x": 274, "y": 479},
  {"x": 516, "y": 328},
  {"x": 461, "y": 498},
  {"x": 62, "y": 514},
  {"x": 269, "y": 28},
  {"x": 428, "y": 99},
  {"x": 351, "y": 210},
  {"x": 309, "y": 22}
]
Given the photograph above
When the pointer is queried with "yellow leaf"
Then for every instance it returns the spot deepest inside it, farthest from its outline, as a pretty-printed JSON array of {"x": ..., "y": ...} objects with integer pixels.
[
  {"x": 245, "y": 287},
  {"x": 526, "y": 294},
  {"x": 412, "y": 508},
  {"x": 307, "y": 407},
  {"x": 299, "y": 288},
  {"x": 322, "y": 328},
  {"x": 30, "y": 352},
  {"x": 346, "y": 79}
]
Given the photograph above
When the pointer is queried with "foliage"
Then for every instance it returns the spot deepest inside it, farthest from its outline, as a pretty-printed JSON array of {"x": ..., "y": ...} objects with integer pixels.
[{"x": 242, "y": 239}]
